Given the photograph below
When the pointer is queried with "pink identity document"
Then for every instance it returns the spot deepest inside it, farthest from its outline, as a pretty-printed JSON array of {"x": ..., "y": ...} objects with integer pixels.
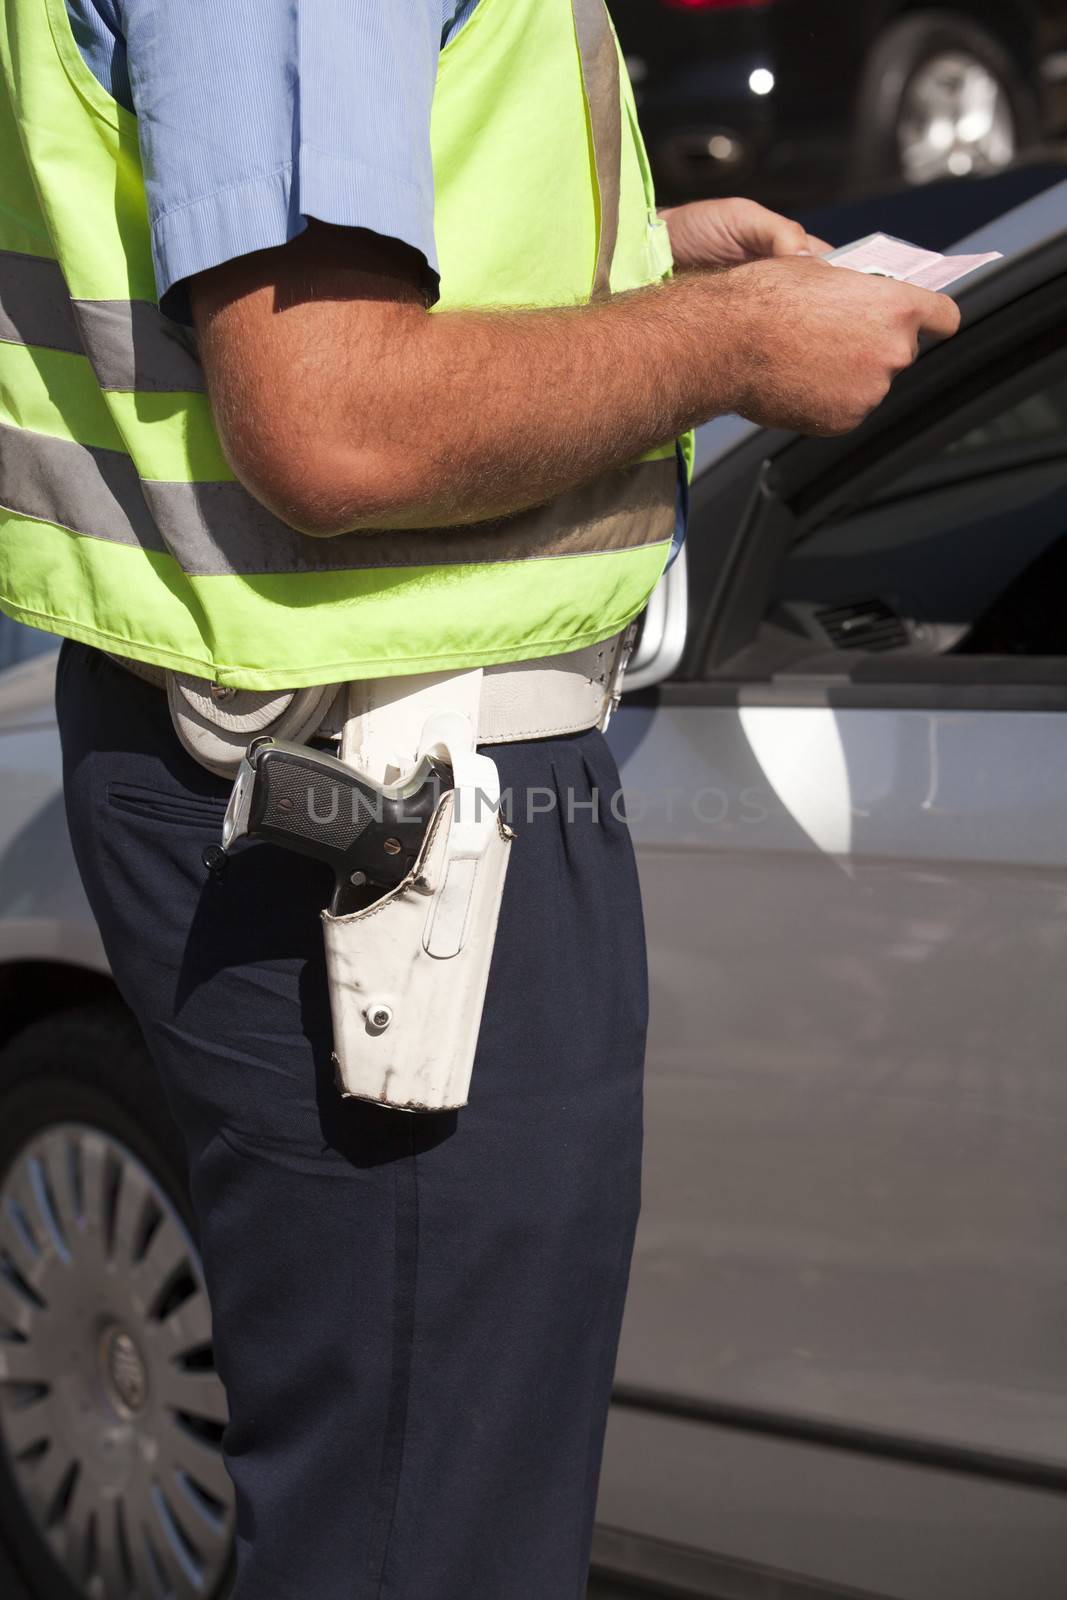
[{"x": 892, "y": 258}]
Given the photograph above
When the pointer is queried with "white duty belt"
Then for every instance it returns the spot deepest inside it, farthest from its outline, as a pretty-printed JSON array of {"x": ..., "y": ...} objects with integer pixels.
[{"x": 383, "y": 718}]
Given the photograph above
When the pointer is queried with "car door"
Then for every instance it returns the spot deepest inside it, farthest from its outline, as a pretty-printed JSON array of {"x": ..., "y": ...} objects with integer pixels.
[
  {"x": 844, "y": 1368},
  {"x": 44, "y": 915}
]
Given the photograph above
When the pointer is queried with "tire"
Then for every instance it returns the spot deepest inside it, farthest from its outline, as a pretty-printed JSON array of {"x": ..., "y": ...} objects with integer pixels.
[
  {"x": 111, "y": 1414},
  {"x": 915, "y": 70}
]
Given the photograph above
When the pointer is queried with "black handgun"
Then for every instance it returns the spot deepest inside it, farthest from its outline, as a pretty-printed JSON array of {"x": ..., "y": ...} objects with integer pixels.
[{"x": 307, "y": 800}]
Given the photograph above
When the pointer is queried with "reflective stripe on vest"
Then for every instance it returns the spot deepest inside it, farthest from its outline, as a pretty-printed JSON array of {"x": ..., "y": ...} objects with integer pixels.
[
  {"x": 600, "y": 71},
  {"x": 130, "y": 344},
  {"x": 223, "y": 532}
]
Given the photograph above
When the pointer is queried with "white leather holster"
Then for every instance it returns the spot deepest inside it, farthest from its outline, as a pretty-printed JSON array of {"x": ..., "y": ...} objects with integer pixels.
[{"x": 408, "y": 973}]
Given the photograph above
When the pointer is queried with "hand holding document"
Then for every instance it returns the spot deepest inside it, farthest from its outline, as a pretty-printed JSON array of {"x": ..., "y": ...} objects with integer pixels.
[{"x": 882, "y": 256}]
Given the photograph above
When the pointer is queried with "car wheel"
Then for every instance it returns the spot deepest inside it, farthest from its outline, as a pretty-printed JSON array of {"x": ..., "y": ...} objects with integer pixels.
[
  {"x": 112, "y": 1484},
  {"x": 941, "y": 98}
]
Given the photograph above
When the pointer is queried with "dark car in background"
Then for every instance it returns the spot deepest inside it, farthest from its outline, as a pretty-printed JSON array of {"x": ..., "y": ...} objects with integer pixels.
[{"x": 801, "y": 101}]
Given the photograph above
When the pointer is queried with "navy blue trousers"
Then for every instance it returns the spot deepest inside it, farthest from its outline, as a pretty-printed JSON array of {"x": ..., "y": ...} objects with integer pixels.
[{"x": 415, "y": 1317}]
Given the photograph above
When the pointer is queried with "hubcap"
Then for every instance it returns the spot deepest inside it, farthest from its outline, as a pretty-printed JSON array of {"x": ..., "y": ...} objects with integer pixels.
[
  {"x": 111, "y": 1412},
  {"x": 956, "y": 120}
]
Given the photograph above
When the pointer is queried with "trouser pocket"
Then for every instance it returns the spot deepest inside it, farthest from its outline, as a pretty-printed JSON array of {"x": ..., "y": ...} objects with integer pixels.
[{"x": 201, "y": 811}]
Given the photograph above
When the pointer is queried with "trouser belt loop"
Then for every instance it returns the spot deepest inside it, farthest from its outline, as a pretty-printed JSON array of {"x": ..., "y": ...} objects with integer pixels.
[{"x": 624, "y": 649}]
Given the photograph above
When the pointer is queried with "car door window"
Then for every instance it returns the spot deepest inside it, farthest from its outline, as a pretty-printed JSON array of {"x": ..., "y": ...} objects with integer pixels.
[
  {"x": 963, "y": 554},
  {"x": 1034, "y": 420}
]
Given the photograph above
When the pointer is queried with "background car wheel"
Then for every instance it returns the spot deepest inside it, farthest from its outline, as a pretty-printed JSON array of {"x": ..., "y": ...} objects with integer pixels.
[
  {"x": 941, "y": 98},
  {"x": 112, "y": 1483}
]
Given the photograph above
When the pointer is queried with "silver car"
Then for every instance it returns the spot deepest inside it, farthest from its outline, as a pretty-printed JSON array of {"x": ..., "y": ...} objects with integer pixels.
[{"x": 844, "y": 754}]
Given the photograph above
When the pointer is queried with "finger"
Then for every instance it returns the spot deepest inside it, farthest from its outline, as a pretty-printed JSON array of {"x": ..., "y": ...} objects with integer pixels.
[
  {"x": 819, "y": 247},
  {"x": 787, "y": 238},
  {"x": 940, "y": 315},
  {"x": 761, "y": 232}
]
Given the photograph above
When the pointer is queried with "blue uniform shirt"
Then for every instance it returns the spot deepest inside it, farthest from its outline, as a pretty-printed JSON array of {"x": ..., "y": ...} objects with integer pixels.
[
  {"x": 257, "y": 114},
  {"x": 273, "y": 111}
]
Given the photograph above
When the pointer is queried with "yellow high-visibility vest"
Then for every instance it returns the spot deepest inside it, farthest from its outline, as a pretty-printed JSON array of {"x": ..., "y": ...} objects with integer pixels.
[{"x": 121, "y": 523}]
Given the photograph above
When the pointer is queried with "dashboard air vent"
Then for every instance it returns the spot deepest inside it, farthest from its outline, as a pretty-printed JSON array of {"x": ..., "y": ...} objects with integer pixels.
[{"x": 863, "y": 625}]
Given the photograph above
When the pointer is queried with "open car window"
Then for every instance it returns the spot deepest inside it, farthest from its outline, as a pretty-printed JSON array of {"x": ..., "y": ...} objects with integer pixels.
[
  {"x": 963, "y": 553},
  {"x": 1030, "y": 427},
  {"x": 1038, "y": 418}
]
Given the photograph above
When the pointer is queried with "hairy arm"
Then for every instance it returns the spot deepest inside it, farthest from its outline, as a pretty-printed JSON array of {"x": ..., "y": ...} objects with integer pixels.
[{"x": 343, "y": 404}]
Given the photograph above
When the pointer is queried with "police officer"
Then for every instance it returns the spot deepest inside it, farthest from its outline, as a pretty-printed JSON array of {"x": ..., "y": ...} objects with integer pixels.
[{"x": 430, "y": 417}]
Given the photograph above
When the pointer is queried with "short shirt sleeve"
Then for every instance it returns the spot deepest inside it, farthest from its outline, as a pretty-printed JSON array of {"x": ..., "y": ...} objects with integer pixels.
[{"x": 255, "y": 115}]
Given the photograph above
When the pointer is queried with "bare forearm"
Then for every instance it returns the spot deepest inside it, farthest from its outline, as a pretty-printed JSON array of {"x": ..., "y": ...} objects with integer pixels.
[
  {"x": 343, "y": 404},
  {"x": 394, "y": 417},
  {"x": 480, "y": 414}
]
